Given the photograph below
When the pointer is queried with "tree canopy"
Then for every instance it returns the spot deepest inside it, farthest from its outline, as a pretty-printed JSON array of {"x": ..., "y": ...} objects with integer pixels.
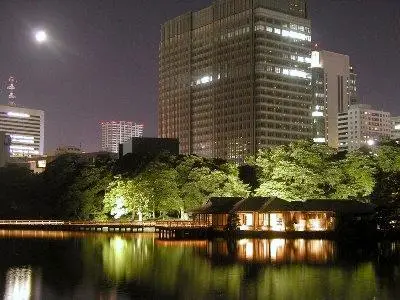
[
  {"x": 304, "y": 170},
  {"x": 72, "y": 187}
]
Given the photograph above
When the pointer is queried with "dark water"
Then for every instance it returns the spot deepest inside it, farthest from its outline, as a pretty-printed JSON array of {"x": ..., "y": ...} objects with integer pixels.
[{"x": 40, "y": 265}]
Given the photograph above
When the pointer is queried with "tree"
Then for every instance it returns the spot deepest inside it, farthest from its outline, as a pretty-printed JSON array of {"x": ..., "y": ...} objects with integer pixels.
[
  {"x": 303, "y": 170},
  {"x": 293, "y": 172},
  {"x": 388, "y": 158},
  {"x": 202, "y": 183},
  {"x": 58, "y": 178},
  {"x": 352, "y": 177},
  {"x": 125, "y": 196},
  {"x": 92, "y": 184},
  {"x": 387, "y": 191},
  {"x": 233, "y": 222},
  {"x": 19, "y": 197},
  {"x": 159, "y": 183}
]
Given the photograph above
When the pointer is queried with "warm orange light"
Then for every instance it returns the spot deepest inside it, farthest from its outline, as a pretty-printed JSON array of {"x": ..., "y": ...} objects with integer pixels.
[
  {"x": 277, "y": 245},
  {"x": 277, "y": 223},
  {"x": 316, "y": 225}
]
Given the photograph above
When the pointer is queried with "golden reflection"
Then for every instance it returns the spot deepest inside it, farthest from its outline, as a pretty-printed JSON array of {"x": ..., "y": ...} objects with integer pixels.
[
  {"x": 182, "y": 243},
  {"x": 62, "y": 235},
  {"x": 281, "y": 250},
  {"x": 124, "y": 258},
  {"x": 18, "y": 284},
  {"x": 276, "y": 249}
]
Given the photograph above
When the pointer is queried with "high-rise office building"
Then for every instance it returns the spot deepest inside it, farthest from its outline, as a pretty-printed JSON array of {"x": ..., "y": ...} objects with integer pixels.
[
  {"x": 25, "y": 127},
  {"x": 235, "y": 77},
  {"x": 114, "y": 133},
  {"x": 334, "y": 84},
  {"x": 362, "y": 126}
]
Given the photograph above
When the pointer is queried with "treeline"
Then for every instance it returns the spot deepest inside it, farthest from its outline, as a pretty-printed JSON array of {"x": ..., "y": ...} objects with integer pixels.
[{"x": 72, "y": 187}]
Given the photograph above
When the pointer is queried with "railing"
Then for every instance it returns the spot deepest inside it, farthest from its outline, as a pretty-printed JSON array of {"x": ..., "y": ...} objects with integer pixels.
[
  {"x": 181, "y": 224},
  {"x": 112, "y": 223},
  {"x": 77, "y": 223},
  {"x": 160, "y": 223},
  {"x": 31, "y": 222}
]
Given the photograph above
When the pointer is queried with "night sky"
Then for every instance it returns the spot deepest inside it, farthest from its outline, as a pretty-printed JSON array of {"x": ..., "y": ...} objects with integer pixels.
[{"x": 102, "y": 61}]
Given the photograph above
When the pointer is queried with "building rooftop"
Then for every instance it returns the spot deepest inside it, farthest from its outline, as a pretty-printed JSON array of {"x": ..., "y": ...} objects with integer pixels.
[
  {"x": 218, "y": 205},
  {"x": 225, "y": 205}
]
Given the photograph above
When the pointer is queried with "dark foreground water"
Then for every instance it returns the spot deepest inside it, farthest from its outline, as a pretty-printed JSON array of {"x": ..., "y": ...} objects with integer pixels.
[{"x": 57, "y": 265}]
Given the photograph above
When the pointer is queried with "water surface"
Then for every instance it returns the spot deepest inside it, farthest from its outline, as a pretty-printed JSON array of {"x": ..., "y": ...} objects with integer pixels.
[{"x": 61, "y": 265}]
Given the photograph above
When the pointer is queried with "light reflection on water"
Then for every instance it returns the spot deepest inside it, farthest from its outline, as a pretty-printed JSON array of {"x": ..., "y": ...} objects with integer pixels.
[
  {"x": 18, "y": 284},
  {"x": 40, "y": 265}
]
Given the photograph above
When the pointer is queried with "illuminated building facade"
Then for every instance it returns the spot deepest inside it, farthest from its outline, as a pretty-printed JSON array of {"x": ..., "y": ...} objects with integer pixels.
[
  {"x": 334, "y": 87},
  {"x": 114, "y": 133},
  {"x": 395, "y": 128},
  {"x": 235, "y": 77},
  {"x": 26, "y": 129},
  {"x": 277, "y": 215},
  {"x": 363, "y": 126}
]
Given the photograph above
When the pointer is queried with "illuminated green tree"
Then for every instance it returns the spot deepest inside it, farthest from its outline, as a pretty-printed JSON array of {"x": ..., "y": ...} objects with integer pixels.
[
  {"x": 387, "y": 188},
  {"x": 293, "y": 172},
  {"x": 352, "y": 177},
  {"x": 126, "y": 196},
  {"x": 304, "y": 170},
  {"x": 198, "y": 182},
  {"x": 159, "y": 185},
  {"x": 388, "y": 158}
]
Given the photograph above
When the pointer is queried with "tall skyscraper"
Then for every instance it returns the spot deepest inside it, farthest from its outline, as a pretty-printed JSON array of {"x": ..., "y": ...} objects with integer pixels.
[
  {"x": 334, "y": 90},
  {"x": 235, "y": 77},
  {"x": 114, "y": 133},
  {"x": 362, "y": 126},
  {"x": 25, "y": 127}
]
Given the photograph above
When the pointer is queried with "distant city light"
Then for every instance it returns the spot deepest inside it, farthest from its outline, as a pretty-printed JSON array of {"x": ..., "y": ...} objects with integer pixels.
[
  {"x": 319, "y": 140},
  {"x": 315, "y": 60},
  {"x": 18, "y": 115},
  {"x": 317, "y": 114},
  {"x": 296, "y": 35}
]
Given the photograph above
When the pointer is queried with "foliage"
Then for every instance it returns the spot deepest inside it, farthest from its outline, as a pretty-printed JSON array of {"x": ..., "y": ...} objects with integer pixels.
[
  {"x": 233, "y": 222},
  {"x": 74, "y": 187},
  {"x": 303, "y": 170},
  {"x": 198, "y": 180},
  {"x": 352, "y": 177},
  {"x": 19, "y": 193},
  {"x": 293, "y": 172},
  {"x": 174, "y": 186}
]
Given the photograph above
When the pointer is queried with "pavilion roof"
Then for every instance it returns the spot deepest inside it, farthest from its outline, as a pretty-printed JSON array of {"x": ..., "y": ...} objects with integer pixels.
[{"x": 218, "y": 205}]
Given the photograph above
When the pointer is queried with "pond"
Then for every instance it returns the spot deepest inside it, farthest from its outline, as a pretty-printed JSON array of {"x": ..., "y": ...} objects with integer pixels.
[{"x": 64, "y": 265}]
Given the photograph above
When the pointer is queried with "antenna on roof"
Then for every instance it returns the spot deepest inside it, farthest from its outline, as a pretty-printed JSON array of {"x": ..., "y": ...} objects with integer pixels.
[{"x": 11, "y": 86}]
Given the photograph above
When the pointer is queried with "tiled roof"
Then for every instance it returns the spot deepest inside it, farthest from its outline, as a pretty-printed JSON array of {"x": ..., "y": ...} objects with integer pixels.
[
  {"x": 218, "y": 205},
  {"x": 250, "y": 204},
  {"x": 226, "y": 205}
]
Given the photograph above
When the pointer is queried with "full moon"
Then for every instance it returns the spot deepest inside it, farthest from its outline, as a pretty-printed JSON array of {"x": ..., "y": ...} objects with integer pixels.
[{"x": 40, "y": 36}]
